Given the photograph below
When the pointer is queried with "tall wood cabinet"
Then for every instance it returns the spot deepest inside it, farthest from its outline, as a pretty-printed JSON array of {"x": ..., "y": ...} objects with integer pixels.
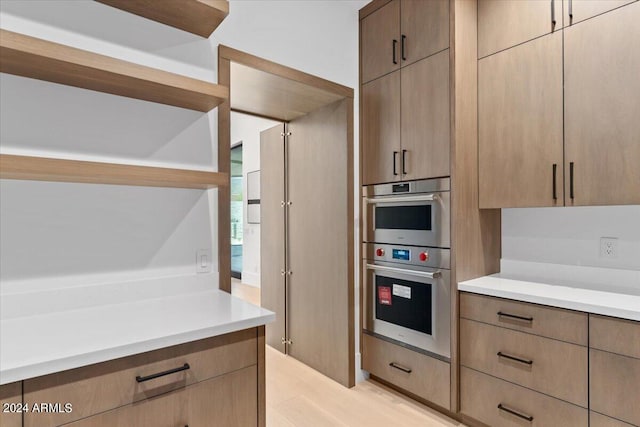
[
  {"x": 405, "y": 92},
  {"x": 558, "y": 114}
]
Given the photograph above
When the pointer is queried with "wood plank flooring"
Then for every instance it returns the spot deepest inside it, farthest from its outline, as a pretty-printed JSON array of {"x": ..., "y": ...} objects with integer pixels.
[{"x": 298, "y": 396}]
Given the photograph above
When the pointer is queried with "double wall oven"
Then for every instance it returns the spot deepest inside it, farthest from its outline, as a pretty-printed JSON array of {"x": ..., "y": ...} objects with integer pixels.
[{"x": 407, "y": 264}]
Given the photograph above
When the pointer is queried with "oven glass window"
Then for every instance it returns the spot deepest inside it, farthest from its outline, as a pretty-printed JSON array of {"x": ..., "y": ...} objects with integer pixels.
[
  {"x": 404, "y": 303},
  {"x": 416, "y": 217}
]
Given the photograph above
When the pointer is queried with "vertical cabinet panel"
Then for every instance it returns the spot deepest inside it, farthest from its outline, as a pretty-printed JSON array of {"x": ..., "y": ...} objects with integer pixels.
[
  {"x": 425, "y": 127},
  {"x": 425, "y": 28},
  {"x": 10, "y": 394},
  {"x": 506, "y": 23},
  {"x": 272, "y": 232},
  {"x": 579, "y": 10},
  {"x": 602, "y": 105},
  {"x": 377, "y": 34},
  {"x": 520, "y": 125},
  {"x": 380, "y": 117}
]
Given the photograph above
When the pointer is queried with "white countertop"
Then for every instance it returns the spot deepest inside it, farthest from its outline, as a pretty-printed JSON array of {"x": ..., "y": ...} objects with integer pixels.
[
  {"x": 585, "y": 289},
  {"x": 41, "y": 344}
]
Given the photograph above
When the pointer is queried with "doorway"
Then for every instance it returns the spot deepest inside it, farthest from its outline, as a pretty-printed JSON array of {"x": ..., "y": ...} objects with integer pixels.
[
  {"x": 306, "y": 195},
  {"x": 237, "y": 211}
]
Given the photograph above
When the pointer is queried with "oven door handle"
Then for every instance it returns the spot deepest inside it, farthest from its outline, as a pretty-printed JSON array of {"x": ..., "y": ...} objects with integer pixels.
[
  {"x": 402, "y": 199},
  {"x": 427, "y": 274}
]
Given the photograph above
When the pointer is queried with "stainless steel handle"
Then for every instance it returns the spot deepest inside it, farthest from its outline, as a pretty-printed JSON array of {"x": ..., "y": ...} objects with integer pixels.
[
  {"x": 553, "y": 13},
  {"x": 402, "y": 199},
  {"x": 514, "y": 412},
  {"x": 400, "y": 367},
  {"x": 427, "y": 274}
]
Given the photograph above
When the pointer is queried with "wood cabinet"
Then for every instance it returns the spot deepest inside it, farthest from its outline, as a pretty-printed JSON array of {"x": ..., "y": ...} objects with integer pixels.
[
  {"x": 602, "y": 101},
  {"x": 380, "y": 38},
  {"x": 520, "y": 125},
  {"x": 424, "y": 29},
  {"x": 599, "y": 420},
  {"x": 11, "y": 394},
  {"x": 506, "y": 23},
  {"x": 575, "y": 11}
]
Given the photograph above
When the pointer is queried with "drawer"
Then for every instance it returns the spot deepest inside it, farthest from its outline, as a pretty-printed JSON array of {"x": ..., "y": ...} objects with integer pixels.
[
  {"x": 427, "y": 377},
  {"x": 615, "y": 386},
  {"x": 100, "y": 387},
  {"x": 11, "y": 394},
  {"x": 550, "y": 322},
  {"x": 599, "y": 420},
  {"x": 557, "y": 368},
  {"x": 614, "y": 335},
  {"x": 480, "y": 395},
  {"x": 229, "y": 400}
]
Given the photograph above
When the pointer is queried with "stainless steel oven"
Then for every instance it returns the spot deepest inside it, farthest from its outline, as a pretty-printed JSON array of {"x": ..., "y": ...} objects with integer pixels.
[
  {"x": 407, "y": 296},
  {"x": 408, "y": 213}
]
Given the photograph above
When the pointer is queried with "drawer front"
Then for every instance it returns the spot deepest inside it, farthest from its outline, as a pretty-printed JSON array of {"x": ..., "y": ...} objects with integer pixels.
[
  {"x": 615, "y": 385},
  {"x": 104, "y": 386},
  {"x": 228, "y": 400},
  {"x": 11, "y": 400},
  {"x": 429, "y": 378},
  {"x": 614, "y": 335},
  {"x": 480, "y": 395},
  {"x": 599, "y": 420},
  {"x": 556, "y": 368},
  {"x": 557, "y": 323}
]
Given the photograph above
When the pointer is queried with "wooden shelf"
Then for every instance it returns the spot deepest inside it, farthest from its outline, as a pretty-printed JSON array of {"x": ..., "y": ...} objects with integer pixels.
[
  {"x": 40, "y": 59},
  {"x": 199, "y": 17},
  {"x": 47, "y": 169}
]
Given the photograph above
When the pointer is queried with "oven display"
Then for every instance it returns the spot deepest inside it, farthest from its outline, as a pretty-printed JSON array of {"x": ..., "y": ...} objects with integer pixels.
[{"x": 401, "y": 254}]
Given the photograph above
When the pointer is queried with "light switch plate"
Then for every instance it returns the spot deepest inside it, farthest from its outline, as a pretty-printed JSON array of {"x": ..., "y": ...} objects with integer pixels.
[
  {"x": 609, "y": 247},
  {"x": 203, "y": 261}
]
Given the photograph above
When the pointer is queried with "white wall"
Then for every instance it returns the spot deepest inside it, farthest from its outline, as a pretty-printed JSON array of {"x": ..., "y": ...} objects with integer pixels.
[
  {"x": 572, "y": 235},
  {"x": 247, "y": 129}
]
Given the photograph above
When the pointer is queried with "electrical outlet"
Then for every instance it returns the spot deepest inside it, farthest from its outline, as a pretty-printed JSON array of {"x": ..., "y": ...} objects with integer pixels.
[
  {"x": 609, "y": 247},
  {"x": 203, "y": 261}
]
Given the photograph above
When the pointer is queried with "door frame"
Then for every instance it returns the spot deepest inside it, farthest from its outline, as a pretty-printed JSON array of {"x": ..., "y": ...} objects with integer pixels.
[{"x": 226, "y": 56}]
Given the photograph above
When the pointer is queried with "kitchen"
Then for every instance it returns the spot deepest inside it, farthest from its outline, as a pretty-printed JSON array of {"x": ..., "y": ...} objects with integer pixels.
[{"x": 472, "y": 261}]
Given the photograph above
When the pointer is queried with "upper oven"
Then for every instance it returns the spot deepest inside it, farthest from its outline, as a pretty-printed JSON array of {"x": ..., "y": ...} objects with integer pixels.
[{"x": 409, "y": 213}]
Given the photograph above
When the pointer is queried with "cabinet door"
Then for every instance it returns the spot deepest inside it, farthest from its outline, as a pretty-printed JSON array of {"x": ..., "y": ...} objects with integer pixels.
[
  {"x": 520, "y": 125},
  {"x": 579, "y": 10},
  {"x": 425, "y": 29},
  {"x": 11, "y": 394},
  {"x": 425, "y": 125},
  {"x": 380, "y": 42},
  {"x": 506, "y": 23},
  {"x": 602, "y": 105},
  {"x": 381, "y": 130}
]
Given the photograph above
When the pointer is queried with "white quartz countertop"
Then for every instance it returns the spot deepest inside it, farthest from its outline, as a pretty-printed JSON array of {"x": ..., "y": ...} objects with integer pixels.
[
  {"x": 41, "y": 344},
  {"x": 610, "y": 293}
]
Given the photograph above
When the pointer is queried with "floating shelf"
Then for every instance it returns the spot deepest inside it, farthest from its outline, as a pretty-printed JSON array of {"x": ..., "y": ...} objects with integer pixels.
[
  {"x": 40, "y": 59},
  {"x": 199, "y": 17},
  {"x": 47, "y": 169}
]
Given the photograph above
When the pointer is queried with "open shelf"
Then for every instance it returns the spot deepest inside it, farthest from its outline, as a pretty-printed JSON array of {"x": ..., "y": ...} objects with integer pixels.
[
  {"x": 199, "y": 17},
  {"x": 40, "y": 59},
  {"x": 47, "y": 169}
]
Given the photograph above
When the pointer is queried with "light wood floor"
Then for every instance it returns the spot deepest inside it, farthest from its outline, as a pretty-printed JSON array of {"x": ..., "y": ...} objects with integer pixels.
[{"x": 302, "y": 397}]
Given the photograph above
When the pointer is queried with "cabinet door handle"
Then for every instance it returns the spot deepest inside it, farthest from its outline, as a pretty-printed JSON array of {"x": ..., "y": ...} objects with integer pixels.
[
  {"x": 553, "y": 13},
  {"x": 514, "y": 412},
  {"x": 570, "y": 11},
  {"x": 395, "y": 42},
  {"x": 395, "y": 156},
  {"x": 162, "y": 374},
  {"x": 571, "y": 180},
  {"x": 404, "y": 58},
  {"x": 400, "y": 367},
  {"x": 515, "y": 359},
  {"x": 555, "y": 194},
  {"x": 404, "y": 162},
  {"x": 516, "y": 317}
]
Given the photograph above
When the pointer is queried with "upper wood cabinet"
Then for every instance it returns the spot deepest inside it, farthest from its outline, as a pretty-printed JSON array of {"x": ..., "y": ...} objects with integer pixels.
[
  {"x": 579, "y": 10},
  {"x": 400, "y": 33},
  {"x": 506, "y": 23},
  {"x": 601, "y": 109},
  {"x": 520, "y": 125}
]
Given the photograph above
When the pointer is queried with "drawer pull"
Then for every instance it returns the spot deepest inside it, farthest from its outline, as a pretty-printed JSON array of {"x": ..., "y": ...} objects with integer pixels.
[
  {"x": 513, "y": 316},
  {"x": 515, "y": 359},
  {"x": 514, "y": 412},
  {"x": 400, "y": 367},
  {"x": 162, "y": 374}
]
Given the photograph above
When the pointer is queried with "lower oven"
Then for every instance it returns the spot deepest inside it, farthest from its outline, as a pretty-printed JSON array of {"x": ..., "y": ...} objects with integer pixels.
[{"x": 408, "y": 296}]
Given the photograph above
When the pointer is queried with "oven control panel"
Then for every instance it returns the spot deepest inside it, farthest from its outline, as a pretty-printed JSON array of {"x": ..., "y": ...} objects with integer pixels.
[
  {"x": 413, "y": 255},
  {"x": 401, "y": 254}
]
